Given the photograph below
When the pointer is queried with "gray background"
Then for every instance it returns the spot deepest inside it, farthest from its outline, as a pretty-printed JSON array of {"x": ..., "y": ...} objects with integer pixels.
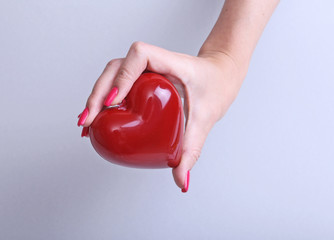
[{"x": 266, "y": 171}]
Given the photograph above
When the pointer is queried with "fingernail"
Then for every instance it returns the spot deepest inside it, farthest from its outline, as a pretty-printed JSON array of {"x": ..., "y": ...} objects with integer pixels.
[
  {"x": 85, "y": 132},
  {"x": 111, "y": 96},
  {"x": 186, "y": 183},
  {"x": 83, "y": 117}
]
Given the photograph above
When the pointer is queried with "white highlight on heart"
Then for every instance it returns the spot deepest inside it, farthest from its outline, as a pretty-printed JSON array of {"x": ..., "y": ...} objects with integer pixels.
[{"x": 163, "y": 94}]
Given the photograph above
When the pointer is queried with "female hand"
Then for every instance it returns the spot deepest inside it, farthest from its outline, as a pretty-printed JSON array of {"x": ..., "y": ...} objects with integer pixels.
[{"x": 209, "y": 83}]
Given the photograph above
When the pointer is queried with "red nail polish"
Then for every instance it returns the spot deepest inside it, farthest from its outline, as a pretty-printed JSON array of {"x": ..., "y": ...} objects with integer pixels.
[
  {"x": 83, "y": 117},
  {"x": 111, "y": 96},
  {"x": 85, "y": 132},
  {"x": 186, "y": 183}
]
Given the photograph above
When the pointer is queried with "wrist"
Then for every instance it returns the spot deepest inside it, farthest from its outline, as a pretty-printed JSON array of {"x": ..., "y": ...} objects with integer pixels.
[{"x": 223, "y": 58}]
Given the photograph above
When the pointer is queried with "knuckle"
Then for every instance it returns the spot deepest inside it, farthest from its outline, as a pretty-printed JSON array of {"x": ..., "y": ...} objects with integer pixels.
[
  {"x": 137, "y": 47},
  {"x": 124, "y": 75},
  {"x": 92, "y": 97},
  {"x": 194, "y": 154},
  {"x": 112, "y": 63},
  {"x": 93, "y": 100}
]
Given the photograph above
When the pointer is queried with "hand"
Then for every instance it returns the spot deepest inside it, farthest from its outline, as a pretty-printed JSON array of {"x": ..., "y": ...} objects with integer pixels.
[{"x": 209, "y": 83}]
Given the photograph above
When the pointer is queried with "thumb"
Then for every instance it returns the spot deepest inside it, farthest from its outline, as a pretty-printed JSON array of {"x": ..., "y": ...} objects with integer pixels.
[{"x": 194, "y": 139}]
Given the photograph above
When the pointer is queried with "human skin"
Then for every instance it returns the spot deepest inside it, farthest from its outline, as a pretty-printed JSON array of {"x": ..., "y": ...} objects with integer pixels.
[{"x": 208, "y": 82}]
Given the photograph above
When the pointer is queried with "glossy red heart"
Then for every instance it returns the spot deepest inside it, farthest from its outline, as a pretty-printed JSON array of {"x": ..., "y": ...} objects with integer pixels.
[{"x": 146, "y": 131}]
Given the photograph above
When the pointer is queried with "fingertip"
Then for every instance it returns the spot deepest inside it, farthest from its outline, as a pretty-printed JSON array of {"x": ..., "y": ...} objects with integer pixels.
[
  {"x": 88, "y": 115},
  {"x": 83, "y": 117},
  {"x": 178, "y": 177},
  {"x": 93, "y": 112},
  {"x": 118, "y": 93},
  {"x": 181, "y": 176},
  {"x": 85, "y": 132},
  {"x": 111, "y": 96},
  {"x": 186, "y": 182},
  {"x": 95, "y": 105},
  {"x": 181, "y": 173}
]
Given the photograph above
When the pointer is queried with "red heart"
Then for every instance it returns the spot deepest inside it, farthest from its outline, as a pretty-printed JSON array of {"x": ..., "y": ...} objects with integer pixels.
[{"x": 146, "y": 131}]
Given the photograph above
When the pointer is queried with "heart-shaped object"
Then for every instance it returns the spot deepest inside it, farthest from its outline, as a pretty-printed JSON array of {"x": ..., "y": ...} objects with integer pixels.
[{"x": 146, "y": 130}]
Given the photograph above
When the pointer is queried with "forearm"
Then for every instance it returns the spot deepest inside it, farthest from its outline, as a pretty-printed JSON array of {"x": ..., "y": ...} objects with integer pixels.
[{"x": 238, "y": 28}]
